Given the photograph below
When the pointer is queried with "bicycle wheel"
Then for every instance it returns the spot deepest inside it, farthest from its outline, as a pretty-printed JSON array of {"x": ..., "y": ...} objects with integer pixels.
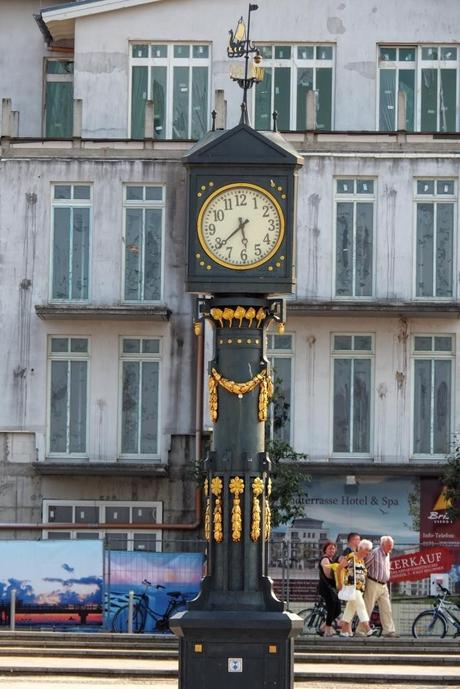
[
  {"x": 120, "y": 620},
  {"x": 312, "y": 619},
  {"x": 429, "y": 624}
]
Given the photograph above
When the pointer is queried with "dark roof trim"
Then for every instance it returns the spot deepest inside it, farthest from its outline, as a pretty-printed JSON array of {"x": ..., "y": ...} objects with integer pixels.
[{"x": 44, "y": 29}]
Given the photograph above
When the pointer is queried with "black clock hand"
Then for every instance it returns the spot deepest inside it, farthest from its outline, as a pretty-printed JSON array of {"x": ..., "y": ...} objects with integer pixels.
[{"x": 240, "y": 227}]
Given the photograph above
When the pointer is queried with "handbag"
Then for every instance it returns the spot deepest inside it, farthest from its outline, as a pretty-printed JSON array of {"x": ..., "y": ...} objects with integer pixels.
[{"x": 348, "y": 591}]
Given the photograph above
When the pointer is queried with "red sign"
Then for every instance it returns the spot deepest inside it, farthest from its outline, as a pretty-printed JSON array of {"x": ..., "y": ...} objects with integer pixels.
[
  {"x": 436, "y": 527},
  {"x": 414, "y": 566}
]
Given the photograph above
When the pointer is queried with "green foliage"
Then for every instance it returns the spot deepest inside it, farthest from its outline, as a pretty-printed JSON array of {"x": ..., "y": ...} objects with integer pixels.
[
  {"x": 288, "y": 481},
  {"x": 451, "y": 480}
]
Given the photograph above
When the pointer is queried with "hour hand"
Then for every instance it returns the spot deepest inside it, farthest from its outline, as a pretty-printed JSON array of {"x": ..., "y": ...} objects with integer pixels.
[{"x": 240, "y": 227}]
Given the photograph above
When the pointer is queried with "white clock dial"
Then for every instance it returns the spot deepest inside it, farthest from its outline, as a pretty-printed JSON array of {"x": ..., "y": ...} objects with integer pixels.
[{"x": 241, "y": 226}]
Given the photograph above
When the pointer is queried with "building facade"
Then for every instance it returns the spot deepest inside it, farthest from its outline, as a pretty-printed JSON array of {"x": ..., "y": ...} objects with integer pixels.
[{"x": 100, "y": 421}]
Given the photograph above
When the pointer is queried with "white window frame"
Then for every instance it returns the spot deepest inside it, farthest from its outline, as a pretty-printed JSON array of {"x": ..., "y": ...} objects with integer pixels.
[
  {"x": 418, "y": 65},
  {"x": 142, "y": 457},
  {"x": 102, "y": 533},
  {"x": 432, "y": 356},
  {"x": 71, "y": 203},
  {"x": 435, "y": 199},
  {"x": 49, "y": 78},
  {"x": 161, "y": 205},
  {"x": 273, "y": 353},
  {"x": 355, "y": 198},
  {"x": 353, "y": 354},
  {"x": 295, "y": 63},
  {"x": 170, "y": 62},
  {"x": 68, "y": 356}
]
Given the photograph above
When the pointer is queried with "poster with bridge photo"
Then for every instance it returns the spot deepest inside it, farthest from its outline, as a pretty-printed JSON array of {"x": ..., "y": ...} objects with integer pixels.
[
  {"x": 332, "y": 507},
  {"x": 57, "y": 583},
  {"x": 161, "y": 583}
]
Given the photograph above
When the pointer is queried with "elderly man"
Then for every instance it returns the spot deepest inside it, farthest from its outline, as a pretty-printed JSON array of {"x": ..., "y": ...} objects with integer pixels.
[{"x": 378, "y": 576}]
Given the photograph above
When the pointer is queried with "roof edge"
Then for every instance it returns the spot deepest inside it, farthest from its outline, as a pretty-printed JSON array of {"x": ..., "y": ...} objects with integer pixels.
[{"x": 82, "y": 8}]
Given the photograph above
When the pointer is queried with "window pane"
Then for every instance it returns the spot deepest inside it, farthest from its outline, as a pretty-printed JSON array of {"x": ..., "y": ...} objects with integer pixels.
[
  {"x": 429, "y": 53},
  {"x": 441, "y": 421},
  {"x": 159, "y": 50},
  {"x": 304, "y": 85},
  {"x": 114, "y": 515},
  {"x": 388, "y": 54},
  {"x": 116, "y": 541},
  {"x": 364, "y": 186},
  {"x": 62, "y": 191},
  {"x": 364, "y": 240},
  {"x": 59, "y": 535},
  {"x": 361, "y": 405},
  {"x": 146, "y": 542},
  {"x": 263, "y": 99},
  {"x": 86, "y": 514},
  {"x": 58, "y": 407},
  {"x": 429, "y": 100},
  {"x": 134, "y": 193},
  {"x": 140, "y": 51},
  {"x": 281, "y": 411},
  {"x": 131, "y": 346},
  {"x": 305, "y": 52},
  {"x": 200, "y": 51},
  {"x": 182, "y": 51},
  {"x": 323, "y": 52},
  {"x": 61, "y": 253},
  {"x": 407, "y": 85},
  {"x": 345, "y": 186},
  {"x": 144, "y": 515},
  {"x": 443, "y": 344},
  {"x": 150, "y": 346},
  {"x": 342, "y": 402},
  {"x": 138, "y": 100},
  {"x": 180, "y": 102},
  {"x": 133, "y": 253},
  {"x": 59, "y": 109},
  {"x": 444, "y": 249},
  {"x": 282, "y": 96},
  {"x": 60, "y": 513},
  {"x": 407, "y": 54},
  {"x": 282, "y": 341},
  {"x": 445, "y": 187},
  {"x": 130, "y": 408},
  {"x": 324, "y": 88},
  {"x": 344, "y": 249},
  {"x": 425, "y": 248},
  {"x": 81, "y": 191},
  {"x": 448, "y": 53},
  {"x": 78, "y": 344},
  {"x": 387, "y": 100},
  {"x": 363, "y": 343},
  {"x": 425, "y": 186},
  {"x": 59, "y": 67},
  {"x": 80, "y": 253},
  {"x": 448, "y": 100},
  {"x": 342, "y": 342},
  {"x": 199, "y": 101},
  {"x": 422, "y": 406},
  {"x": 87, "y": 536},
  {"x": 149, "y": 420},
  {"x": 60, "y": 344},
  {"x": 77, "y": 417},
  {"x": 282, "y": 52},
  {"x": 152, "y": 258},
  {"x": 159, "y": 82},
  {"x": 154, "y": 193},
  {"x": 423, "y": 344}
]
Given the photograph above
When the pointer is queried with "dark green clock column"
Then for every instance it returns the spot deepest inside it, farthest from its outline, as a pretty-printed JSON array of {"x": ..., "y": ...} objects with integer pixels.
[{"x": 236, "y": 633}]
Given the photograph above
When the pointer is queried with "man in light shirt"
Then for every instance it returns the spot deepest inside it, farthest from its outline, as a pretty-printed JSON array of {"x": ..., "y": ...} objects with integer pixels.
[{"x": 378, "y": 577}]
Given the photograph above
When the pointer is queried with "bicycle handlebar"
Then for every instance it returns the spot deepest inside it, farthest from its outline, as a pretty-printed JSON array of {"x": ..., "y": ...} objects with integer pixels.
[{"x": 443, "y": 589}]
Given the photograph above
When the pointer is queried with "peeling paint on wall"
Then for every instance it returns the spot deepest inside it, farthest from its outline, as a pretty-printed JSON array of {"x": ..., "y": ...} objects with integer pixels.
[
  {"x": 365, "y": 69},
  {"x": 400, "y": 366},
  {"x": 390, "y": 194}
]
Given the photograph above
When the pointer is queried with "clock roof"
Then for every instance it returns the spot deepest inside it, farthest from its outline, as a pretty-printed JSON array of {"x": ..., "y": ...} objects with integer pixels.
[{"x": 243, "y": 145}]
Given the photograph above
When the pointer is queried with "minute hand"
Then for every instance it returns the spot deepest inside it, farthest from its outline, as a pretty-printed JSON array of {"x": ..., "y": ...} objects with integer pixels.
[{"x": 240, "y": 227}]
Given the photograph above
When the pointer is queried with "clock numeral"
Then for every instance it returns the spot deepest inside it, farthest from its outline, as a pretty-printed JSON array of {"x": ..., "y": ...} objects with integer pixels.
[
  {"x": 229, "y": 249},
  {"x": 220, "y": 243},
  {"x": 266, "y": 214},
  {"x": 266, "y": 239},
  {"x": 228, "y": 204},
  {"x": 244, "y": 255},
  {"x": 218, "y": 215},
  {"x": 211, "y": 229},
  {"x": 257, "y": 249},
  {"x": 271, "y": 224},
  {"x": 254, "y": 198},
  {"x": 240, "y": 199}
]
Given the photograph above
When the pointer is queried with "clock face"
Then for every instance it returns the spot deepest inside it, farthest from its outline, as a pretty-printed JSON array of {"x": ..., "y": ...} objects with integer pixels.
[{"x": 241, "y": 226}]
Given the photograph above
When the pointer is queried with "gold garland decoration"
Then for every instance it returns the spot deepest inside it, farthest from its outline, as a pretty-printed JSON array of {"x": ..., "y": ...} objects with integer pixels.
[
  {"x": 216, "y": 490},
  {"x": 268, "y": 512},
  {"x": 257, "y": 490},
  {"x": 228, "y": 314},
  {"x": 236, "y": 488},
  {"x": 207, "y": 516},
  {"x": 265, "y": 393}
]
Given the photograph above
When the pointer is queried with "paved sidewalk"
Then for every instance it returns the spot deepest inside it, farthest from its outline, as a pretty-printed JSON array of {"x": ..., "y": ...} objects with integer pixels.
[{"x": 76, "y": 683}]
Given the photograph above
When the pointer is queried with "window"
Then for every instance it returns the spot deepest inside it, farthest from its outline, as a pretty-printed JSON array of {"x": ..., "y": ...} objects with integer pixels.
[
  {"x": 352, "y": 393},
  {"x": 144, "y": 217},
  {"x": 96, "y": 512},
  {"x": 71, "y": 209},
  {"x": 428, "y": 77},
  {"x": 435, "y": 210},
  {"x": 68, "y": 366},
  {"x": 354, "y": 237},
  {"x": 433, "y": 356},
  {"x": 59, "y": 98},
  {"x": 291, "y": 71},
  {"x": 140, "y": 373},
  {"x": 176, "y": 79},
  {"x": 280, "y": 356}
]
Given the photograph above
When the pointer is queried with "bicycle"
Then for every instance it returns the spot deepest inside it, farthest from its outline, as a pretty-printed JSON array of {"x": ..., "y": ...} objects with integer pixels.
[
  {"x": 142, "y": 611},
  {"x": 436, "y": 622},
  {"x": 315, "y": 617}
]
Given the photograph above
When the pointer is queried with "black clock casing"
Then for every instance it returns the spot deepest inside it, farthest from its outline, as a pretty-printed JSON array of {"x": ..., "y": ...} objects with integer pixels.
[{"x": 265, "y": 165}]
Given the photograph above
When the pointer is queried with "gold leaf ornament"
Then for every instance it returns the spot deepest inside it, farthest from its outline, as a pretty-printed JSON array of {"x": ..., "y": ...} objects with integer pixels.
[
  {"x": 217, "y": 314},
  {"x": 216, "y": 490},
  {"x": 236, "y": 489},
  {"x": 207, "y": 516},
  {"x": 257, "y": 490},
  {"x": 260, "y": 316},
  {"x": 228, "y": 315},
  {"x": 240, "y": 313},
  {"x": 268, "y": 512},
  {"x": 250, "y": 315}
]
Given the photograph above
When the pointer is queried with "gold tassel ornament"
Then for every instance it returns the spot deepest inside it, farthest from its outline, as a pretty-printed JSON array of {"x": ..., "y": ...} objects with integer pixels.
[
  {"x": 216, "y": 490},
  {"x": 257, "y": 490},
  {"x": 236, "y": 488},
  {"x": 268, "y": 513}
]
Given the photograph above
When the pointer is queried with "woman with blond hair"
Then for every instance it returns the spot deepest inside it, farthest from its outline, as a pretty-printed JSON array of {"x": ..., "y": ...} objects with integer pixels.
[{"x": 356, "y": 574}]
